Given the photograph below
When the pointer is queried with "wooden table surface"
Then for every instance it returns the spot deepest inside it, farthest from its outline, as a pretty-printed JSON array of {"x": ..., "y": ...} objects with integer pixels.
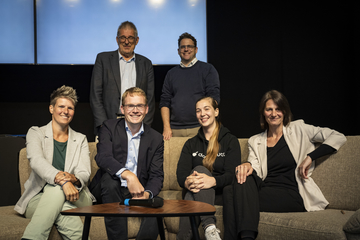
[{"x": 171, "y": 208}]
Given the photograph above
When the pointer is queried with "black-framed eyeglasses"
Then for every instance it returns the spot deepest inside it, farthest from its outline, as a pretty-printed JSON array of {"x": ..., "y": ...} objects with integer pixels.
[
  {"x": 140, "y": 107},
  {"x": 131, "y": 39},
  {"x": 183, "y": 47}
]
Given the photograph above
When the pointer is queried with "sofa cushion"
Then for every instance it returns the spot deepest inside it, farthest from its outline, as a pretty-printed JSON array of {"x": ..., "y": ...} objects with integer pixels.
[
  {"x": 353, "y": 224},
  {"x": 325, "y": 224}
]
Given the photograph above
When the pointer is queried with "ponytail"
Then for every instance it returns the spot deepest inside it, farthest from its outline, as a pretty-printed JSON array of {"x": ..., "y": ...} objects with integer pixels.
[{"x": 213, "y": 148}]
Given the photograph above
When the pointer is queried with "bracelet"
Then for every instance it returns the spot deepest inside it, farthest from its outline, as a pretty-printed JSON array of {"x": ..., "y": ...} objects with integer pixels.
[{"x": 64, "y": 184}]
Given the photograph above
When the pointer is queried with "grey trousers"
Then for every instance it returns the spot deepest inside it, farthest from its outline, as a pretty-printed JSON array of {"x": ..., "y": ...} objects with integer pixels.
[{"x": 205, "y": 195}]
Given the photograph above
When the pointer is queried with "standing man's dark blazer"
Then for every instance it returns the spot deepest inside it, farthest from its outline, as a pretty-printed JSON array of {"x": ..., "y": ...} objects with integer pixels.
[
  {"x": 105, "y": 91},
  {"x": 112, "y": 154}
]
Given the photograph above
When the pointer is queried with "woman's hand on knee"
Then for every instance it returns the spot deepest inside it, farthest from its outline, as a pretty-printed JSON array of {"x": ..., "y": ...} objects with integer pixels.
[
  {"x": 197, "y": 181},
  {"x": 71, "y": 193},
  {"x": 242, "y": 171},
  {"x": 193, "y": 181},
  {"x": 208, "y": 181}
]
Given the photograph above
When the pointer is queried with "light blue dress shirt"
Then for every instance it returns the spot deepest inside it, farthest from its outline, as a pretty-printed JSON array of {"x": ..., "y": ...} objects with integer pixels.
[
  {"x": 133, "y": 153},
  {"x": 127, "y": 73},
  {"x": 132, "y": 156}
]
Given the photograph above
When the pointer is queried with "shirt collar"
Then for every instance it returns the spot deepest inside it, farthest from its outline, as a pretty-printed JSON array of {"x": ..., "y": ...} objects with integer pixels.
[
  {"x": 192, "y": 63},
  {"x": 139, "y": 133},
  {"x": 122, "y": 58}
]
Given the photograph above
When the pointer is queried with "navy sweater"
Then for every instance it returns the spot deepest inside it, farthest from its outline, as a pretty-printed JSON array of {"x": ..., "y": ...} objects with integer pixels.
[{"x": 183, "y": 87}]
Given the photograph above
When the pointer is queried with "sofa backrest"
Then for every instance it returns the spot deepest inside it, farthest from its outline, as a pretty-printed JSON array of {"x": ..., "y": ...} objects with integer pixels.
[
  {"x": 338, "y": 177},
  {"x": 24, "y": 169},
  {"x": 93, "y": 152}
]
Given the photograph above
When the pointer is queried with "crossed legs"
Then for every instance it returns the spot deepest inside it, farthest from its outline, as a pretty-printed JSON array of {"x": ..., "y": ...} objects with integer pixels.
[{"x": 44, "y": 210}]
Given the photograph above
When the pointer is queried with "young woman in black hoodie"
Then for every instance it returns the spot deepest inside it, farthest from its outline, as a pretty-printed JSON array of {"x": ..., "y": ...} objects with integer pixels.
[{"x": 206, "y": 168}]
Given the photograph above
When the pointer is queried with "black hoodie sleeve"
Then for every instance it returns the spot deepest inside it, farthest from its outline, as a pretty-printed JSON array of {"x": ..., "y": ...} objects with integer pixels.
[
  {"x": 184, "y": 166},
  {"x": 232, "y": 160}
]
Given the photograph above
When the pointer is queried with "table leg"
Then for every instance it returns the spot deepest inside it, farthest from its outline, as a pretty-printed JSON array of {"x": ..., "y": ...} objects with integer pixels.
[
  {"x": 86, "y": 229},
  {"x": 161, "y": 227},
  {"x": 194, "y": 228}
]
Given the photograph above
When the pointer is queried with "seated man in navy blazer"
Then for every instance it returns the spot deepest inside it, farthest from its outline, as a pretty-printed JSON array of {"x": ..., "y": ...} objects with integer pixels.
[{"x": 130, "y": 157}]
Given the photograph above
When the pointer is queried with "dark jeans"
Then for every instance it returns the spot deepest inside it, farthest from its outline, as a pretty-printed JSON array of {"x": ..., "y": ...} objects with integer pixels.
[{"x": 116, "y": 227}]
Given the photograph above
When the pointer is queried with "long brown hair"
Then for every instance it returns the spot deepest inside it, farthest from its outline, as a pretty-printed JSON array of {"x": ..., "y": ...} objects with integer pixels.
[{"x": 214, "y": 146}]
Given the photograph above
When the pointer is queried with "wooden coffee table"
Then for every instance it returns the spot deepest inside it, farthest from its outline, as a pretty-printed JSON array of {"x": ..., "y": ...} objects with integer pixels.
[{"x": 171, "y": 208}]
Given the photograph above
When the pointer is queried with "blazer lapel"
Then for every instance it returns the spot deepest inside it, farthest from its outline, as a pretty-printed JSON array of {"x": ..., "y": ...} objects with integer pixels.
[
  {"x": 72, "y": 145},
  {"x": 144, "y": 145},
  {"x": 137, "y": 69},
  {"x": 262, "y": 144},
  {"x": 114, "y": 60},
  {"x": 49, "y": 143},
  {"x": 292, "y": 142},
  {"x": 120, "y": 142}
]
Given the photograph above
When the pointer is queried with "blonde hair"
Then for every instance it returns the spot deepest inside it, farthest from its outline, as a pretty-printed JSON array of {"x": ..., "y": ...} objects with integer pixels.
[
  {"x": 133, "y": 91},
  {"x": 64, "y": 92},
  {"x": 214, "y": 146}
]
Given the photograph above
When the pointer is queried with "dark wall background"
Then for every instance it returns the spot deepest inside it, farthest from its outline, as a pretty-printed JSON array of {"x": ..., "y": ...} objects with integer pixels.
[{"x": 308, "y": 51}]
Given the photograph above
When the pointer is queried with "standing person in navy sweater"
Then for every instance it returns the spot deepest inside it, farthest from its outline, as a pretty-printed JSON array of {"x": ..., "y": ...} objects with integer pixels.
[{"x": 183, "y": 86}]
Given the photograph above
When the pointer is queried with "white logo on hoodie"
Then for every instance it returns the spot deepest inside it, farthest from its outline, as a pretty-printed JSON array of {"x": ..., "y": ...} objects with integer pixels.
[{"x": 203, "y": 155}]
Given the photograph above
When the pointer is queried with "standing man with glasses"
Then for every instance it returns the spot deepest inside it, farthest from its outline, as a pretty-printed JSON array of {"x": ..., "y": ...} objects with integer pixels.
[
  {"x": 183, "y": 86},
  {"x": 130, "y": 158},
  {"x": 116, "y": 71}
]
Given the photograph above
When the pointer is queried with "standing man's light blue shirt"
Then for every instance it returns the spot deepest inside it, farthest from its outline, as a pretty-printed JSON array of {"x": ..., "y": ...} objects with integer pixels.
[
  {"x": 133, "y": 153},
  {"x": 127, "y": 74}
]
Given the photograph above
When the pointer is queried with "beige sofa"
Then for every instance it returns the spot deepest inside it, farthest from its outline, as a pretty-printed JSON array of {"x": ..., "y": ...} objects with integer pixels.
[{"x": 338, "y": 177}]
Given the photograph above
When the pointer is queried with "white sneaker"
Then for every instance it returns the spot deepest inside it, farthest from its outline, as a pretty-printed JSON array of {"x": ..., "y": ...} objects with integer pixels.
[{"x": 212, "y": 233}]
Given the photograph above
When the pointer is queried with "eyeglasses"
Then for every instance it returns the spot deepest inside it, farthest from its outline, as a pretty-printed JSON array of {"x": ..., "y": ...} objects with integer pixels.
[
  {"x": 131, "y": 39},
  {"x": 182, "y": 47},
  {"x": 140, "y": 107}
]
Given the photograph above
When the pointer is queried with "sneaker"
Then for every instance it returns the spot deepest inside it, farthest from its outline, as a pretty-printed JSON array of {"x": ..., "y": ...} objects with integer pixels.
[{"x": 212, "y": 233}]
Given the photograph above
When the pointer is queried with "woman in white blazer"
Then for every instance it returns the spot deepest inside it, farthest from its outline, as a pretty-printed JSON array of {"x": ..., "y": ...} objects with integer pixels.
[
  {"x": 276, "y": 177},
  {"x": 60, "y": 163}
]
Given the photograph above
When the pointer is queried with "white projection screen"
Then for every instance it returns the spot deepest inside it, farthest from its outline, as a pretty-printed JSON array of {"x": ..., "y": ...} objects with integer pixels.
[
  {"x": 75, "y": 31},
  {"x": 16, "y": 31}
]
